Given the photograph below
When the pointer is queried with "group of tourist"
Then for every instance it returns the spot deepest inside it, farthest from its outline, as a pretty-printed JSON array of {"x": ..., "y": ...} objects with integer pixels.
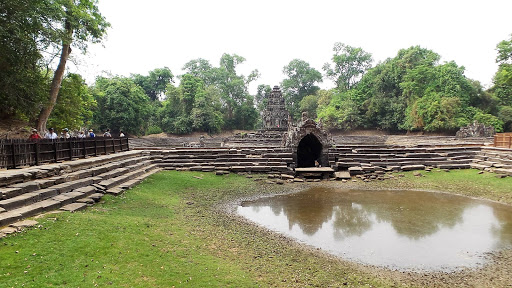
[{"x": 66, "y": 135}]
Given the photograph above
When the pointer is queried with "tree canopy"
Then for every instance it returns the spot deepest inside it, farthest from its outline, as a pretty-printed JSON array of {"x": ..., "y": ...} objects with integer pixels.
[
  {"x": 412, "y": 91},
  {"x": 300, "y": 81}
]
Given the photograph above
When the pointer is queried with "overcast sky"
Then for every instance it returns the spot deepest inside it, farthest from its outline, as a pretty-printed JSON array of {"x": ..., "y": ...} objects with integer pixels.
[{"x": 152, "y": 34}]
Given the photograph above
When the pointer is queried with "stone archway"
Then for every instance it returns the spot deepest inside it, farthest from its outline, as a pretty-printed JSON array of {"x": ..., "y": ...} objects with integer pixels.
[
  {"x": 309, "y": 150},
  {"x": 308, "y": 142}
]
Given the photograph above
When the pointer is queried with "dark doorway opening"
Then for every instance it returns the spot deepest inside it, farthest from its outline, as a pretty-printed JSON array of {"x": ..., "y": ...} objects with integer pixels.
[{"x": 309, "y": 151}]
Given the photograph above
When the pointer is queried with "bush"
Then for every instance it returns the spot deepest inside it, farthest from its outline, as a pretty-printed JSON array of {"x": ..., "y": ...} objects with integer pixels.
[{"x": 154, "y": 130}]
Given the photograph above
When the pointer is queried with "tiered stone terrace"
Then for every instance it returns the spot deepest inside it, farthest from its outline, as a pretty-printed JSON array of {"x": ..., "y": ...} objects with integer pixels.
[{"x": 72, "y": 185}]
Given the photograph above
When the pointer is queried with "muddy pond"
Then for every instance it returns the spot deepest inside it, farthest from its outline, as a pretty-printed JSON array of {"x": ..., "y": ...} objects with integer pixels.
[{"x": 403, "y": 230}]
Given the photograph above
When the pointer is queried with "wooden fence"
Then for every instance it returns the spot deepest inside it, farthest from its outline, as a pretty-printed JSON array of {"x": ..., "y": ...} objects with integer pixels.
[
  {"x": 15, "y": 153},
  {"x": 503, "y": 140}
]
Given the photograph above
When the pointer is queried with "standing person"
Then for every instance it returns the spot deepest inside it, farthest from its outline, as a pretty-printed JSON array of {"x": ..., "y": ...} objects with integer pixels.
[
  {"x": 107, "y": 133},
  {"x": 51, "y": 135},
  {"x": 81, "y": 135},
  {"x": 91, "y": 134},
  {"x": 65, "y": 133},
  {"x": 34, "y": 135},
  {"x": 121, "y": 134}
]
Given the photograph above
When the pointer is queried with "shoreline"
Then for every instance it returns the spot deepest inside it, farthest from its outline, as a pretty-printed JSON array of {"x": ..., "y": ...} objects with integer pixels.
[{"x": 498, "y": 266}]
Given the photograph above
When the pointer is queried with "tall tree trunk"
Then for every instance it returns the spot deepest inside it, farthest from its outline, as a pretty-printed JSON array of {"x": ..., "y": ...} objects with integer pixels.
[{"x": 56, "y": 82}]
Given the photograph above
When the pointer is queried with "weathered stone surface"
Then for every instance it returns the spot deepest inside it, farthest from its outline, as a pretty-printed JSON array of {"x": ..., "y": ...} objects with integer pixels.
[
  {"x": 286, "y": 176},
  {"x": 24, "y": 224},
  {"x": 26, "y": 187},
  {"x": 44, "y": 183},
  {"x": 87, "y": 190},
  {"x": 413, "y": 167},
  {"x": 115, "y": 191},
  {"x": 299, "y": 180},
  {"x": 10, "y": 192},
  {"x": 68, "y": 197},
  {"x": 9, "y": 217},
  {"x": 96, "y": 196},
  {"x": 86, "y": 200},
  {"x": 475, "y": 130},
  {"x": 275, "y": 115},
  {"x": 48, "y": 204},
  {"x": 340, "y": 175},
  {"x": 454, "y": 166},
  {"x": 8, "y": 230},
  {"x": 73, "y": 207},
  {"x": 355, "y": 170}
]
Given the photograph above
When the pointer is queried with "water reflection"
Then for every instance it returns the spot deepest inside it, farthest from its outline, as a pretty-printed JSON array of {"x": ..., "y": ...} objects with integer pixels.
[{"x": 406, "y": 230}]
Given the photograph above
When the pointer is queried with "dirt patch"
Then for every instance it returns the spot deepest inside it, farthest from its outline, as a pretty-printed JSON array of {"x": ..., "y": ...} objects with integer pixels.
[{"x": 14, "y": 129}]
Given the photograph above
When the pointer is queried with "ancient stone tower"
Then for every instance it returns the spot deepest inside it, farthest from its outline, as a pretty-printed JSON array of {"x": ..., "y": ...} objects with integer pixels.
[{"x": 275, "y": 116}]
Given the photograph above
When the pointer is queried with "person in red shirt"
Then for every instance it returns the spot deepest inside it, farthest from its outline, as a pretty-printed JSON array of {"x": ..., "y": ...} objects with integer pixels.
[{"x": 34, "y": 135}]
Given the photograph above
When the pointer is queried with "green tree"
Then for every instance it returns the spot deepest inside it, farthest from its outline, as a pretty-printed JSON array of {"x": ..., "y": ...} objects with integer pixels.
[
  {"x": 505, "y": 115},
  {"x": 502, "y": 88},
  {"x": 77, "y": 23},
  {"x": 350, "y": 63},
  {"x": 301, "y": 81},
  {"x": 122, "y": 105},
  {"x": 206, "y": 113},
  {"x": 24, "y": 32},
  {"x": 341, "y": 112},
  {"x": 202, "y": 69},
  {"x": 75, "y": 104},
  {"x": 309, "y": 104},
  {"x": 192, "y": 107},
  {"x": 155, "y": 84},
  {"x": 260, "y": 98}
]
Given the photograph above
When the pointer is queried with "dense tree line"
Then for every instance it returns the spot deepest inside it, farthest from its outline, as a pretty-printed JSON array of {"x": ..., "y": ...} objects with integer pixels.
[{"x": 412, "y": 91}]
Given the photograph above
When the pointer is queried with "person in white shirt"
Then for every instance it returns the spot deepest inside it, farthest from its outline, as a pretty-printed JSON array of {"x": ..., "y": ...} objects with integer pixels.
[
  {"x": 65, "y": 133},
  {"x": 50, "y": 134}
]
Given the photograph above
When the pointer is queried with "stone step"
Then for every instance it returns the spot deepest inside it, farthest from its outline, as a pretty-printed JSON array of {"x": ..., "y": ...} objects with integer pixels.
[
  {"x": 73, "y": 207},
  {"x": 413, "y": 167},
  {"x": 28, "y": 198},
  {"x": 68, "y": 197},
  {"x": 503, "y": 171},
  {"x": 340, "y": 175},
  {"x": 355, "y": 171},
  {"x": 478, "y": 166},
  {"x": 454, "y": 166},
  {"x": 109, "y": 183},
  {"x": 72, "y": 185}
]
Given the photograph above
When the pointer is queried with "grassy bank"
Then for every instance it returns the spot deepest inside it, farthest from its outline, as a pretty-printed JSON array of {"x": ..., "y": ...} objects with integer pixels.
[{"x": 168, "y": 232}]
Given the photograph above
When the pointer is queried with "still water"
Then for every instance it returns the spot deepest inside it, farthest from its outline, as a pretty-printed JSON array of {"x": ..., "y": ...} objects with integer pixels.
[{"x": 404, "y": 230}]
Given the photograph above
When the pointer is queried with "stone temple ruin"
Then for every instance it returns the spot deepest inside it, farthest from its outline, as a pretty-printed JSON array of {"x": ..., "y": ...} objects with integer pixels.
[
  {"x": 309, "y": 143},
  {"x": 275, "y": 116},
  {"x": 287, "y": 153}
]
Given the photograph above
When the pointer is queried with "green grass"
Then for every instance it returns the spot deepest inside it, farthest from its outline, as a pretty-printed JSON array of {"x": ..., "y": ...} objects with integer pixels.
[
  {"x": 169, "y": 232},
  {"x": 464, "y": 182}
]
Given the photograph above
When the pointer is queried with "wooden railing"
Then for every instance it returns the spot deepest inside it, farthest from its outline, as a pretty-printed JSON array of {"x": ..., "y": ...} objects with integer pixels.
[
  {"x": 503, "y": 140},
  {"x": 15, "y": 153}
]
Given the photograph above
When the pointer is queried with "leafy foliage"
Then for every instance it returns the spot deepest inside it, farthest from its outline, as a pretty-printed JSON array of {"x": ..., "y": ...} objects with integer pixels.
[
  {"x": 155, "y": 84},
  {"x": 192, "y": 107},
  {"x": 350, "y": 63},
  {"x": 122, "y": 105},
  {"x": 24, "y": 33},
  {"x": 75, "y": 105},
  {"x": 301, "y": 81}
]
